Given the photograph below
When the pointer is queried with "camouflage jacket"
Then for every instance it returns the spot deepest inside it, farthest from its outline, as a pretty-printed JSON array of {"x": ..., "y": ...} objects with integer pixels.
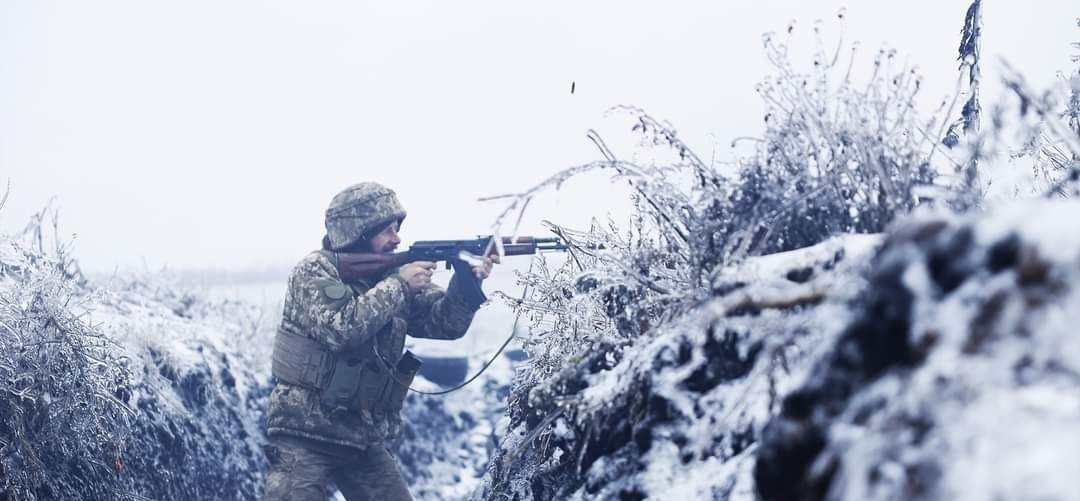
[{"x": 384, "y": 309}]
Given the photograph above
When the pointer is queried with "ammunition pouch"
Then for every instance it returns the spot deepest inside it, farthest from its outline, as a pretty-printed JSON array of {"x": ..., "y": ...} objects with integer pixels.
[
  {"x": 343, "y": 389},
  {"x": 357, "y": 384}
]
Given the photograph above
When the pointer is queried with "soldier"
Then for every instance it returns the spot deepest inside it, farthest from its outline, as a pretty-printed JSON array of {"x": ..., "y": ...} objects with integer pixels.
[{"x": 338, "y": 355}]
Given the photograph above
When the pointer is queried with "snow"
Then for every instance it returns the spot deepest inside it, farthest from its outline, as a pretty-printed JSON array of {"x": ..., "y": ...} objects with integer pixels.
[
  {"x": 989, "y": 405},
  {"x": 693, "y": 394},
  {"x": 981, "y": 408},
  {"x": 984, "y": 411}
]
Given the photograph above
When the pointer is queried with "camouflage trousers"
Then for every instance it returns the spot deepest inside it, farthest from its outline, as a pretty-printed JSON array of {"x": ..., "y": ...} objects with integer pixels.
[{"x": 298, "y": 473}]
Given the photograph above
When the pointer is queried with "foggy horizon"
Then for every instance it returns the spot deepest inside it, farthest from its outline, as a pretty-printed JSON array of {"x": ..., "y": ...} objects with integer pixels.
[{"x": 210, "y": 136}]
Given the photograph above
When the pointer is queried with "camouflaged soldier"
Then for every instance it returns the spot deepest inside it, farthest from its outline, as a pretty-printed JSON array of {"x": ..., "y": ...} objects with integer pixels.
[{"x": 338, "y": 355}]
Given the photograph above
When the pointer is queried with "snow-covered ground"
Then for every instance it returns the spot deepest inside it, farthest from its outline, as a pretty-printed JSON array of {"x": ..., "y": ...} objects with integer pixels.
[
  {"x": 959, "y": 377},
  {"x": 675, "y": 415}
]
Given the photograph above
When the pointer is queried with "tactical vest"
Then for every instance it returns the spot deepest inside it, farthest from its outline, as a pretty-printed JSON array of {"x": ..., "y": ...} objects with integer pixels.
[{"x": 356, "y": 378}]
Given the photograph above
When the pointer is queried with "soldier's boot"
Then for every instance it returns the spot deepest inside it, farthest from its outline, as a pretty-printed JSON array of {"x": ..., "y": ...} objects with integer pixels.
[{"x": 372, "y": 476}]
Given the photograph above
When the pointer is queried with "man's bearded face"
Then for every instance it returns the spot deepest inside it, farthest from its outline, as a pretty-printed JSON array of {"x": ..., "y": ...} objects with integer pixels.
[{"x": 386, "y": 240}]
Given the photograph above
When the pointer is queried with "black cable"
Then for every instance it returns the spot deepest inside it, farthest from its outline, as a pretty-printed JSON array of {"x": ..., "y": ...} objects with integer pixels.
[
  {"x": 458, "y": 387},
  {"x": 393, "y": 375}
]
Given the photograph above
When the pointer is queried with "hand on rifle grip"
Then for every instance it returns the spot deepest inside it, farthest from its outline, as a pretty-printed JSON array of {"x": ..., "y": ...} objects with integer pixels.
[{"x": 417, "y": 275}]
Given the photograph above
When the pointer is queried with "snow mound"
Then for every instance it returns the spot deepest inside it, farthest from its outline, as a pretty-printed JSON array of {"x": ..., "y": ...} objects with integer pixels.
[
  {"x": 958, "y": 378},
  {"x": 201, "y": 379},
  {"x": 677, "y": 415}
]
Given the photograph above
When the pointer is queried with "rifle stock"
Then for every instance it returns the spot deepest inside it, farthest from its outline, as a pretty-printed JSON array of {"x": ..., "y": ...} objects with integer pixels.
[{"x": 356, "y": 265}]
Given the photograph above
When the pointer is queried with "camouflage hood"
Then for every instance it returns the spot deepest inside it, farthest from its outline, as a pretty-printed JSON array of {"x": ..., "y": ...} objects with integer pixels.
[{"x": 358, "y": 210}]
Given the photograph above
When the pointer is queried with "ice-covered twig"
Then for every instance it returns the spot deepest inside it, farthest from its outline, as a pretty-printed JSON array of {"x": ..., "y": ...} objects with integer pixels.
[
  {"x": 606, "y": 152},
  {"x": 1030, "y": 101},
  {"x": 518, "y": 201}
]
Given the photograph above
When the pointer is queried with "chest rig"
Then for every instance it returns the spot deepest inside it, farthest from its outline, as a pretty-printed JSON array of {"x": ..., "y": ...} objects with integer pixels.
[{"x": 371, "y": 375}]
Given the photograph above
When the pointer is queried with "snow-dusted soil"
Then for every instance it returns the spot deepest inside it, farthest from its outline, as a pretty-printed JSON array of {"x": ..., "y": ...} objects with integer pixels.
[
  {"x": 202, "y": 384},
  {"x": 959, "y": 378},
  {"x": 677, "y": 415},
  {"x": 944, "y": 366}
]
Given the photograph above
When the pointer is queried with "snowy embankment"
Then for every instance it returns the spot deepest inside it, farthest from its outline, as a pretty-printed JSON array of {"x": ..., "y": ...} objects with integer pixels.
[
  {"x": 131, "y": 389},
  {"x": 120, "y": 391},
  {"x": 136, "y": 387},
  {"x": 943, "y": 366},
  {"x": 677, "y": 414},
  {"x": 959, "y": 378}
]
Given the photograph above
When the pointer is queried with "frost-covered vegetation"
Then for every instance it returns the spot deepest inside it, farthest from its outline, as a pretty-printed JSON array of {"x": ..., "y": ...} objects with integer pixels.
[
  {"x": 64, "y": 386},
  {"x": 675, "y": 414},
  {"x": 695, "y": 354},
  {"x": 838, "y": 155},
  {"x": 130, "y": 391}
]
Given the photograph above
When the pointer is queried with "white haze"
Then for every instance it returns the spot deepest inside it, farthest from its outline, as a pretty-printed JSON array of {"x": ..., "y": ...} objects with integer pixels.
[{"x": 205, "y": 134}]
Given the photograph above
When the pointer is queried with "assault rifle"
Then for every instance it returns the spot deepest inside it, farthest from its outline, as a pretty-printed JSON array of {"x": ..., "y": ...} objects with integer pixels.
[{"x": 355, "y": 265}]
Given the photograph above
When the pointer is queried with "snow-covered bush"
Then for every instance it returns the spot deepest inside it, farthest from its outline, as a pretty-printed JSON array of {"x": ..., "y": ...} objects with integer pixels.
[
  {"x": 839, "y": 154},
  {"x": 647, "y": 334},
  {"x": 64, "y": 385},
  {"x": 132, "y": 390},
  {"x": 1036, "y": 129}
]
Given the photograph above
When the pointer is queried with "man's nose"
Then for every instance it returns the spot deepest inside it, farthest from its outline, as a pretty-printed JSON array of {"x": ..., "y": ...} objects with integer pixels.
[{"x": 394, "y": 239}]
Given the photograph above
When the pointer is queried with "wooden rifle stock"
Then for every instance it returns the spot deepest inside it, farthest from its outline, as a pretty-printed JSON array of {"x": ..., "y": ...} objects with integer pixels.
[{"x": 356, "y": 265}]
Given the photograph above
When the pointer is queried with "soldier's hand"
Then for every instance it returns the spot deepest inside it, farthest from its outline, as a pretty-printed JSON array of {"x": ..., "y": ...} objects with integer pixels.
[
  {"x": 483, "y": 271},
  {"x": 417, "y": 275}
]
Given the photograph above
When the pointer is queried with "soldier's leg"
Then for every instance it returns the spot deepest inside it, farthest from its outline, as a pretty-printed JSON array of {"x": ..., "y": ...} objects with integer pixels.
[
  {"x": 298, "y": 473},
  {"x": 372, "y": 476}
]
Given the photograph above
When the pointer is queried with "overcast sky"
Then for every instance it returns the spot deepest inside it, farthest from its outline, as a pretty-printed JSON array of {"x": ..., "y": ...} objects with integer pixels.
[{"x": 213, "y": 133}]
